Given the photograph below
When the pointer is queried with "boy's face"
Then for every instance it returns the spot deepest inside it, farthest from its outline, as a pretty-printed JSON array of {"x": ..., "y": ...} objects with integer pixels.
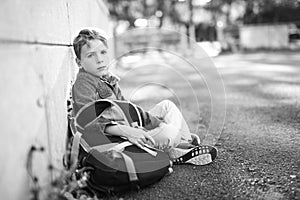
[{"x": 94, "y": 58}]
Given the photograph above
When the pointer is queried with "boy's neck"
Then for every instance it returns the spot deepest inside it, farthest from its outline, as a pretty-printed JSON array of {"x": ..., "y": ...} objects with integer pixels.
[
  {"x": 107, "y": 78},
  {"x": 104, "y": 77}
]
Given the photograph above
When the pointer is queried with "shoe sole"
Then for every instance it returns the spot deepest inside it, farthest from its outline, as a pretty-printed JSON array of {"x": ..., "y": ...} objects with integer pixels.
[{"x": 200, "y": 155}]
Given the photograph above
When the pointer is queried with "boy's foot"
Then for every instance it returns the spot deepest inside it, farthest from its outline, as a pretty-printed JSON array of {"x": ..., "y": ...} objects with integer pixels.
[
  {"x": 200, "y": 155},
  {"x": 195, "y": 139},
  {"x": 188, "y": 145}
]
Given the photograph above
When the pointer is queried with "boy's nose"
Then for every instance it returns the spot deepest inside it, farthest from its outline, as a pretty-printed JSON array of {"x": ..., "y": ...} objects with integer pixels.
[{"x": 99, "y": 59}]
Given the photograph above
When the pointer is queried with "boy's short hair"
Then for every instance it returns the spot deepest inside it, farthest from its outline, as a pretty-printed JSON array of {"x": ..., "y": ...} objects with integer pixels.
[{"x": 83, "y": 37}]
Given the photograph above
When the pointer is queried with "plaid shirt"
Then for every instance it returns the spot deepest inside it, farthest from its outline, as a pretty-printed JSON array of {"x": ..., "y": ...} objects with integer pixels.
[{"x": 88, "y": 88}]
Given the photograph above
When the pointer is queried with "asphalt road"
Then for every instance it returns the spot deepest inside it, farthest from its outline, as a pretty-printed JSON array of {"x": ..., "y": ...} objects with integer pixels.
[{"x": 259, "y": 144}]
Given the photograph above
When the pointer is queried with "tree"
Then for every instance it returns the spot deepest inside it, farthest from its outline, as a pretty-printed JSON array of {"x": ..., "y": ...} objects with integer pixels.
[
  {"x": 124, "y": 10},
  {"x": 130, "y": 10},
  {"x": 258, "y": 11}
]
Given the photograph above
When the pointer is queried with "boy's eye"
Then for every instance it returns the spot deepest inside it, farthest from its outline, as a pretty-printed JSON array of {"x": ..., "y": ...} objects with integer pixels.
[
  {"x": 103, "y": 52},
  {"x": 90, "y": 55}
]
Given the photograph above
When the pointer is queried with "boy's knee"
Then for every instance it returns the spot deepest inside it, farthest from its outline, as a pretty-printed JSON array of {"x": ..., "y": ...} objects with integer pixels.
[
  {"x": 167, "y": 103},
  {"x": 168, "y": 136}
]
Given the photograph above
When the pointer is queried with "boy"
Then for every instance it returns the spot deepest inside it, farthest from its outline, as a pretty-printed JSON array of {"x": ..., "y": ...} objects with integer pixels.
[{"x": 164, "y": 126}]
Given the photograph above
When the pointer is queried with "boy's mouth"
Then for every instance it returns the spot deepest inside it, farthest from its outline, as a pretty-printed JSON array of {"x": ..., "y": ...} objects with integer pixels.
[{"x": 102, "y": 67}]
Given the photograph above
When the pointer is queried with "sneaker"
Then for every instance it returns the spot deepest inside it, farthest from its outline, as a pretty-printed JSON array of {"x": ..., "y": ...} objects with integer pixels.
[{"x": 200, "y": 155}]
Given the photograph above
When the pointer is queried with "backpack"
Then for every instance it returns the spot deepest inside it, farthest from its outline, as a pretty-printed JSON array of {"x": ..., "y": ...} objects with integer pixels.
[{"x": 114, "y": 164}]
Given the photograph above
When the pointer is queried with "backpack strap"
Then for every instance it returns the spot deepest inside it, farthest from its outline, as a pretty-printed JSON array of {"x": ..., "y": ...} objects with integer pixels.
[
  {"x": 75, "y": 151},
  {"x": 112, "y": 146},
  {"x": 130, "y": 167},
  {"x": 117, "y": 150}
]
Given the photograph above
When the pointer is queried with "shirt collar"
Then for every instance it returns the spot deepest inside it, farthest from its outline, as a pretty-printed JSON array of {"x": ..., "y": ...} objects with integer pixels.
[{"x": 110, "y": 78}]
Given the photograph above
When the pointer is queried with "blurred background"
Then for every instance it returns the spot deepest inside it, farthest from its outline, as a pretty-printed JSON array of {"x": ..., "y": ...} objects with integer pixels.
[
  {"x": 217, "y": 25},
  {"x": 162, "y": 50}
]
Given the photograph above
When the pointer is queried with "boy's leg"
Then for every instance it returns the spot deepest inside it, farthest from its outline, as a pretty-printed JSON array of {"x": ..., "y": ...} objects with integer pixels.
[
  {"x": 176, "y": 135},
  {"x": 169, "y": 112},
  {"x": 166, "y": 136}
]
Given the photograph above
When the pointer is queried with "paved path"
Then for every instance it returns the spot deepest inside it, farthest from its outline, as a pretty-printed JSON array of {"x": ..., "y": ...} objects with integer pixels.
[{"x": 259, "y": 146}]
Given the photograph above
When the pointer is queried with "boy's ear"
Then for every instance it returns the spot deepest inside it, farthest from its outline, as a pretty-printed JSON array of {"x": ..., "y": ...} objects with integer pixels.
[{"x": 78, "y": 62}]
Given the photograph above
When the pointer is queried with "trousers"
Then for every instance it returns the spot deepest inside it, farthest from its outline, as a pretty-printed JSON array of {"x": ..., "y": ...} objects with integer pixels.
[{"x": 174, "y": 130}]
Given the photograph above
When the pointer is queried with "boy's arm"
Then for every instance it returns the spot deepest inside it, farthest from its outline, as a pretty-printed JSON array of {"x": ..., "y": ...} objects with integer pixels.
[{"x": 136, "y": 136}]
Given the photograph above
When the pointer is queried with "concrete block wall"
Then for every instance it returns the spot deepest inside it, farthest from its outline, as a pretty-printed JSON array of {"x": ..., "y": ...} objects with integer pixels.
[
  {"x": 264, "y": 36},
  {"x": 37, "y": 67}
]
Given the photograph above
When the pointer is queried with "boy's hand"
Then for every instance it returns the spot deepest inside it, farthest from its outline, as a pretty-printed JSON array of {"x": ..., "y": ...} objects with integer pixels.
[
  {"x": 140, "y": 138},
  {"x": 136, "y": 136}
]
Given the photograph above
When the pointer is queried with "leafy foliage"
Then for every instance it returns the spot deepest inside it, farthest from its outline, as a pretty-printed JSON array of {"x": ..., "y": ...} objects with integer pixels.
[
  {"x": 130, "y": 10},
  {"x": 256, "y": 11},
  {"x": 260, "y": 11}
]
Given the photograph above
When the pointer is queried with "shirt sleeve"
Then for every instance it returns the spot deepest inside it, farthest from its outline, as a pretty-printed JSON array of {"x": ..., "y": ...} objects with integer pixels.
[
  {"x": 109, "y": 117},
  {"x": 101, "y": 124}
]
